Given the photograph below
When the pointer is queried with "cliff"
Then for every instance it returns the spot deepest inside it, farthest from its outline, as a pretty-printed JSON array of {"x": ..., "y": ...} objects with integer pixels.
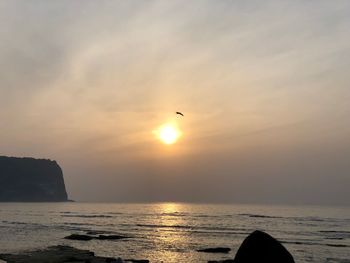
[{"x": 31, "y": 180}]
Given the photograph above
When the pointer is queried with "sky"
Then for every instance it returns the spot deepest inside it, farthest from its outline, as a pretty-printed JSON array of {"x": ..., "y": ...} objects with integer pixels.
[{"x": 264, "y": 86}]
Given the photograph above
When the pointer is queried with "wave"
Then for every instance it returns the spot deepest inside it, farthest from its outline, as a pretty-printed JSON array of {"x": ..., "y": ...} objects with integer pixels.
[
  {"x": 311, "y": 243},
  {"x": 14, "y": 222},
  {"x": 335, "y": 231},
  {"x": 197, "y": 229},
  {"x": 164, "y": 226},
  {"x": 336, "y": 245},
  {"x": 87, "y": 216},
  {"x": 298, "y": 219},
  {"x": 79, "y": 224},
  {"x": 260, "y": 216},
  {"x": 337, "y": 260},
  {"x": 335, "y": 238},
  {"x": 335, "y": 234}
]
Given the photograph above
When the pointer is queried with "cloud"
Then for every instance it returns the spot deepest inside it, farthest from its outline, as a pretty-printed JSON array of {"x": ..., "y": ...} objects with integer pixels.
[{"x": 86, "y": 83}]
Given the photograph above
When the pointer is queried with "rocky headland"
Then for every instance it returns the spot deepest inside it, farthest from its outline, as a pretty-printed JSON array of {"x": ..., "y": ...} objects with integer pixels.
[{"x": 31, "y": 180}]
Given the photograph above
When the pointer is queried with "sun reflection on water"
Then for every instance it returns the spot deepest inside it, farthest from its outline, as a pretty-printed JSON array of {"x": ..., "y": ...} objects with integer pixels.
[
  {"x": 171, "y": 232},
  {"x": 170, "y": 207}
]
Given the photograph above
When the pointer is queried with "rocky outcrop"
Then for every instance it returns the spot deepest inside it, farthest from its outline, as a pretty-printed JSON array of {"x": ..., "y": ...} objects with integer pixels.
[
  {"x": 63, "y": 254},
  {"x": 111, "y": 237},
  {"x": 260, "y": 247},
  {"x": 82, "y": 237},
  {"x": 57, "y": 254},
  {"x": 263, "y": 248},
  {"x": 79, "y": 237},
  {"x": 31, "y": 180}
]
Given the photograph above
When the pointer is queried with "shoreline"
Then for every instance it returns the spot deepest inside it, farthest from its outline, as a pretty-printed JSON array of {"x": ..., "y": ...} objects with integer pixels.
[{"x": 256, "y": 247}]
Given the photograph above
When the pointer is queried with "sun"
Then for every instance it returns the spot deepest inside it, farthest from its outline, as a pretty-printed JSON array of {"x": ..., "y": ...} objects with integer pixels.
[{"x": 168, "y": 133}]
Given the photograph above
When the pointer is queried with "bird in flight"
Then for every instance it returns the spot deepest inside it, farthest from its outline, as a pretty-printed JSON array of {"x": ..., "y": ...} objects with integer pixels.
[{"x": 179, "y": 113}]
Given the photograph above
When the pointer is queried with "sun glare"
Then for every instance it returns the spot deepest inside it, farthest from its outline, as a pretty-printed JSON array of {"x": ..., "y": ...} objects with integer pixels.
[{"x": 168, "y": 133}]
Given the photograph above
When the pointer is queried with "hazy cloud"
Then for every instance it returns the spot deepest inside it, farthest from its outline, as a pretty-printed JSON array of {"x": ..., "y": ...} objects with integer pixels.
[{"x": 264, "y": 86}]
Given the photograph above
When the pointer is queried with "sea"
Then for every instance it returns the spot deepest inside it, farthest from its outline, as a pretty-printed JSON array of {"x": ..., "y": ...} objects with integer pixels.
[{"x": 173, "y": 232}]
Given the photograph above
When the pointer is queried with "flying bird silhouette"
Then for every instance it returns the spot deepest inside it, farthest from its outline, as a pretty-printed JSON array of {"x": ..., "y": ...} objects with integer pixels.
[{"x": 179, "y": 113}]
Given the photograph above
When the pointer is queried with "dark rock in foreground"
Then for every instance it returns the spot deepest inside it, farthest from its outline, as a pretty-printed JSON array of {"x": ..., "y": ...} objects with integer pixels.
[
  {"x": 263, "y": 248},
  {"x": 57, "y": 254},
  {"x": 215, "y": 250},
  {"x": 31, "y": 180}
]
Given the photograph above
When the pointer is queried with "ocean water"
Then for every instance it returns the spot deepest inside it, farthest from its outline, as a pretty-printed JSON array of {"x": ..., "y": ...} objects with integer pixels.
[{"x": 172, "y": 232}]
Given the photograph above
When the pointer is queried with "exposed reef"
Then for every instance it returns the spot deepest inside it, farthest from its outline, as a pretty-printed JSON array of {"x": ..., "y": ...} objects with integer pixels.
[
  {"x": 63, "y": 254},
  {"x": 215, "y": 250},
  {"x": 56, "y": 254},
  {"x": 82, "y": 237},
  {"x": 257, "y": 247}
]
